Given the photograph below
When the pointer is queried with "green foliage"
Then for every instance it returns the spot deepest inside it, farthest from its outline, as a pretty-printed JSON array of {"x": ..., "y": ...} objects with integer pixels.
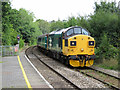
[
  {"x": 106, "y": 50},
  {"x": 43, "y": 25},
  {"x": 27, "y": 28},
  {"x": 104, "y": 22},
  {"x": 16, "y": 22},
  {"x": 83, "y": 22},
  {"x": 6, "y": 26},
  {"x": 106, "y": 7},
  {"x": 21, "y": 43},
  {"x": 55, "y": 25},
  {"x": 72, "y": 21}
]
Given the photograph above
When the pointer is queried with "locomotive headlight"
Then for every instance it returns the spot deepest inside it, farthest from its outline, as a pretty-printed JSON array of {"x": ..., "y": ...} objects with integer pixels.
[
  {"x": 91, "y": 43},
  {"x": 72, "y": 43},
  {"x": 82, "y": 49}
]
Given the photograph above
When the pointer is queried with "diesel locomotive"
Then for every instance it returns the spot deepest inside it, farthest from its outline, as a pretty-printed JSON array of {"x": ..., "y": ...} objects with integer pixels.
[{"x": 72, "y": 46}]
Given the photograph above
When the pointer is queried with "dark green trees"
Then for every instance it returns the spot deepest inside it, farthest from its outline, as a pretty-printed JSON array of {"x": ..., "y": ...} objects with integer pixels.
[{"x": 16, "y": 22}]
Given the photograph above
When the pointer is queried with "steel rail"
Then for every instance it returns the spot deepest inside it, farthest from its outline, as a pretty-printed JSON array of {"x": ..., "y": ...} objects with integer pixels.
[
  {"x": 104, "y": 73},
  {"x": 112, "y": 86},
  {"x": 76, "y": 87}
]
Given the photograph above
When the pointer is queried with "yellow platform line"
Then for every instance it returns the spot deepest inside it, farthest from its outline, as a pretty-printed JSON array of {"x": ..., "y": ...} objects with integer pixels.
[{"x": 24, "y": 74}]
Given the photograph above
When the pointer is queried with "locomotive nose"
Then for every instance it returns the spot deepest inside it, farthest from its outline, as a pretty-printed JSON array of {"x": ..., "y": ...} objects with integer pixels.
[
  {"x": 82, "y": 44},
  {"x": 82, "y": 49}
]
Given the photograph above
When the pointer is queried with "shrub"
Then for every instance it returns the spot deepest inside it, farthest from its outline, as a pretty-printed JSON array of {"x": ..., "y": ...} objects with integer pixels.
[
  {"x": 105, "y": 50},
  {"x": 21, "y": 43}
]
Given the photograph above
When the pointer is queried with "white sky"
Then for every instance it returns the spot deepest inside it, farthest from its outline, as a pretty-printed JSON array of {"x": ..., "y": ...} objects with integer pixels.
[{"x": 56, "y": 9}]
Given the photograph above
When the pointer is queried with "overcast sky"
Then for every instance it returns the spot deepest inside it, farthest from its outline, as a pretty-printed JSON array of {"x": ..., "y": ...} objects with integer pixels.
[{"x": 56, "y": 9}]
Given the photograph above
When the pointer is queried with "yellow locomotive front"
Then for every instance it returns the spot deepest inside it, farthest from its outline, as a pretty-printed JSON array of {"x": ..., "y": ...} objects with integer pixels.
[{"x": 78, "y": 46}]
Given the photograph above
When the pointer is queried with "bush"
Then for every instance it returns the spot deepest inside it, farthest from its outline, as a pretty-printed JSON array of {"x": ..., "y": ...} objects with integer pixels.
[
  {"x": 98, "y": 55},
  {"x": 21, "y": 43},
  {"x": 105, "y": 50},
  {"x": 33, "y": 42}
]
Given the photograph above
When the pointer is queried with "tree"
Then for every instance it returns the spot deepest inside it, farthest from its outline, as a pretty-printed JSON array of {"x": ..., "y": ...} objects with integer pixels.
[
  {"x": 8, "y": 33},
  {"x": 106, "y": 7},
  {"x": 28, "y": 29},
  {"x": 83, "y": 22},
  {"x": 43, "y": 25},
  {"x": 105, "y": 22},
  {"x": 55, "y": 25},
  {"x": 72, "y": 21},
  {"x": 16, "y": 22}
]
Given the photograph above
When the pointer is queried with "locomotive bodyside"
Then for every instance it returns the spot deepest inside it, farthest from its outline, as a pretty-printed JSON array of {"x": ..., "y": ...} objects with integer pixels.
[
  {"x": 42, "y": 41},
  {"x": 54, "y": 42},
  {"x": 73, "y": 46}
]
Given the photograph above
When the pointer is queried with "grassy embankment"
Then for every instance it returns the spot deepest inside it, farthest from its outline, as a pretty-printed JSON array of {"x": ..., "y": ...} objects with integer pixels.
[{"x": 109, "y": 64}]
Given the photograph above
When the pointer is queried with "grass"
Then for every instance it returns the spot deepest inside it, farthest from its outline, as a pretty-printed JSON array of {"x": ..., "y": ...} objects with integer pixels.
[{"x": 109, "y": 64}]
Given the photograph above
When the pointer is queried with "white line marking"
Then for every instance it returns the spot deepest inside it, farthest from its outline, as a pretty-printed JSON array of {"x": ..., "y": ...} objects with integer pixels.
[{"x": 39, "y": 73}]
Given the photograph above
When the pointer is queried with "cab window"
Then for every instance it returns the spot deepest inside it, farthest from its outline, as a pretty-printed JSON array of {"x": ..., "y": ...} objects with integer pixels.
[
  {"x": 84, "y": 32},
  {"x": 70, "y": 32},
  {"x": 77, "y": 30}
]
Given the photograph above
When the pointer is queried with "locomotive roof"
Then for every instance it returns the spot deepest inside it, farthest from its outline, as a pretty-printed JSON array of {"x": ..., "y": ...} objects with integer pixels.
[
  {"x": 42, "y": 35},
  {"x": 60, "y": 30}
]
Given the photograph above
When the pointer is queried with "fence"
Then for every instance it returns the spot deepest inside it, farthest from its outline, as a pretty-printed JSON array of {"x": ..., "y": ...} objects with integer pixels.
[{"x": 9, "y": 50}]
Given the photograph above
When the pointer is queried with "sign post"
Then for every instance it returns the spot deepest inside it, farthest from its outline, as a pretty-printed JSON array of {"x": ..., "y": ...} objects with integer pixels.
[{"x": 18, "y": 38}]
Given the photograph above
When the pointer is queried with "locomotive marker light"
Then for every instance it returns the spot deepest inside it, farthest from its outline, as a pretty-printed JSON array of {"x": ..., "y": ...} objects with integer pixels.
[
  {"x": 50, "y": 42},
  {"x": 73, "y": 43},
  {"x": 91, "y": 43}
]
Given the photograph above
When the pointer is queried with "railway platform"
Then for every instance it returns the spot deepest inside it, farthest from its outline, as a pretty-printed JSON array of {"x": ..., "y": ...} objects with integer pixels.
[{"x": 18, "y": 72}]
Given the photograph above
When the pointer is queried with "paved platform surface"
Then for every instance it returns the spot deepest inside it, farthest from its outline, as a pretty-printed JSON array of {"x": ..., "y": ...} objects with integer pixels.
[
  {"x": 12, "y": 76},
  {"x": 0, "y": 73}
]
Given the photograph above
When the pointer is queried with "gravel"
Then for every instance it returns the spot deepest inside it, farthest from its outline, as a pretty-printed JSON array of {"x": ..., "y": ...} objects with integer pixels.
[
  {"x": 77, "y": 78},
  {"x": 111, "y": 72},
  {"x": 50, "y": 76}
]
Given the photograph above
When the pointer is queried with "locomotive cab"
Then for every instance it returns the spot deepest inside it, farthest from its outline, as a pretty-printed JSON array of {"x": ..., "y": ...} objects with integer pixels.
[{"x": 78, "y": 46}]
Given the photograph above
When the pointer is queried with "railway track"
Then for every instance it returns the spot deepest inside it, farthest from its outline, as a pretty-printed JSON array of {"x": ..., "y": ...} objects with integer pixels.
[
  {"x": 110, "y": 80},
  {"x": 94, "y": 68},
  {"x": 73, "y": 85},
  {"x": 86, "y": 72}
]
